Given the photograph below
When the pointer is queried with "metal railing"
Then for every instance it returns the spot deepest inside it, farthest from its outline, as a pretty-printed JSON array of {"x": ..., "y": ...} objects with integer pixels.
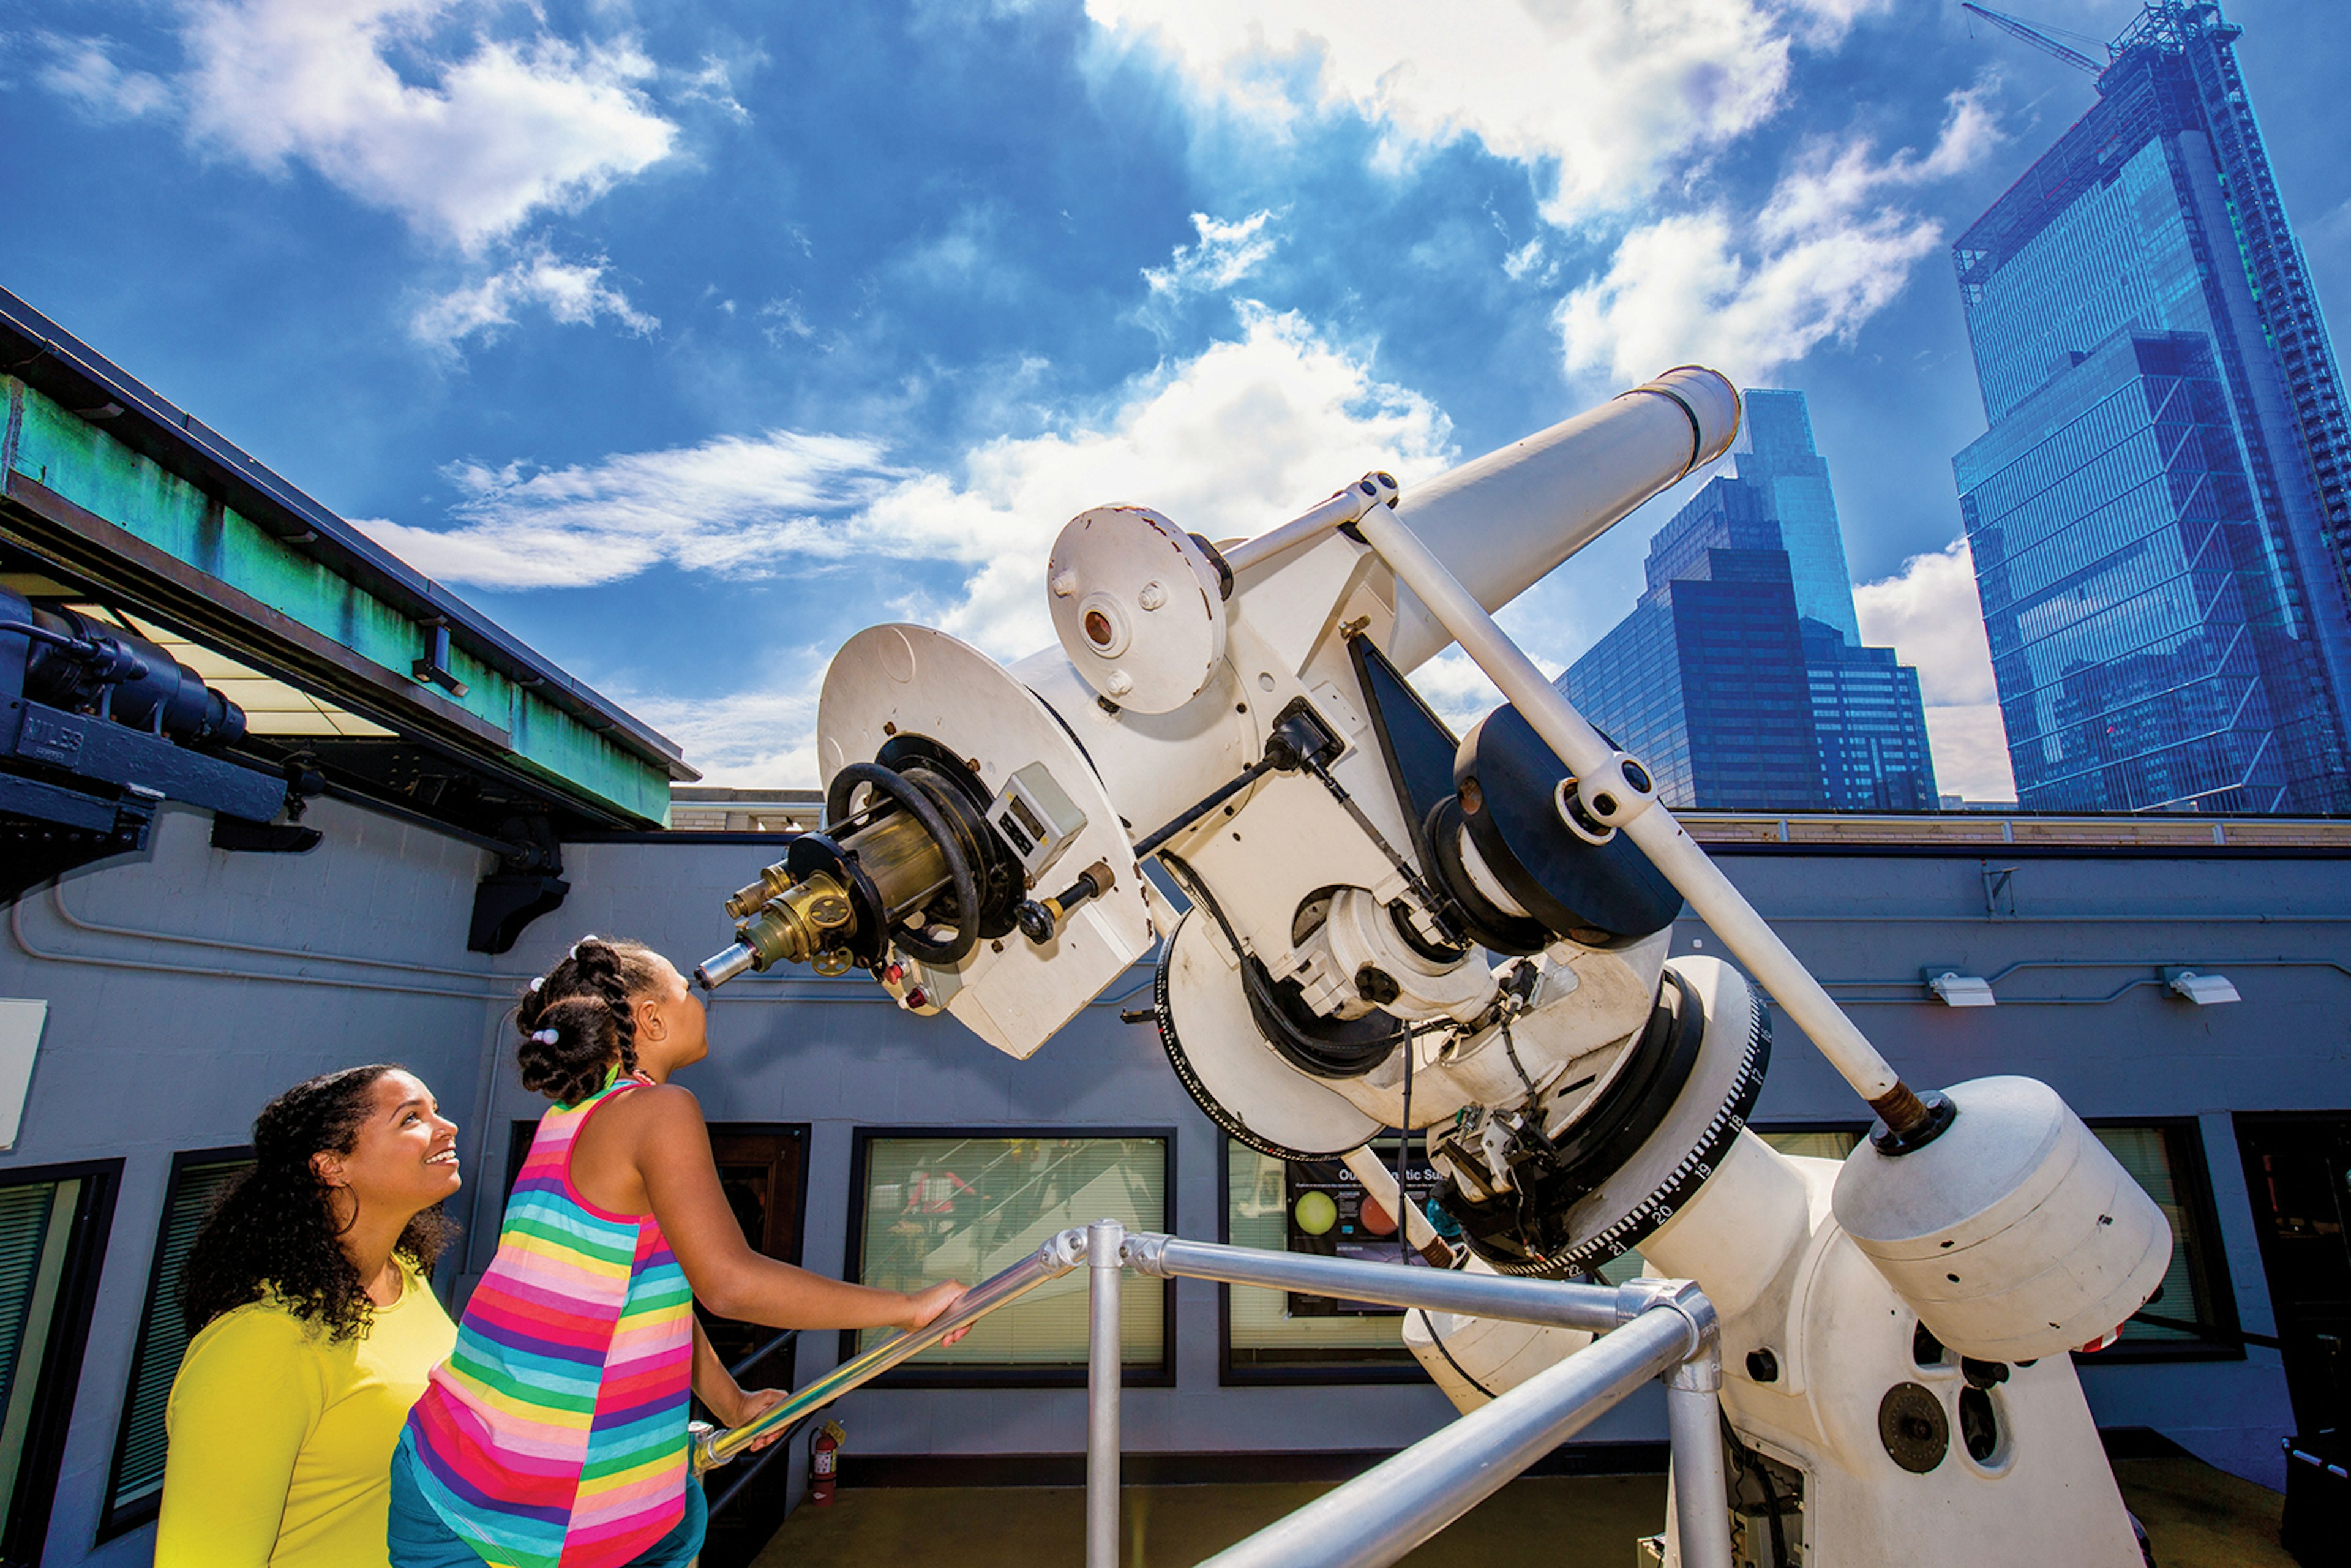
[{"x": 1649, "y": 1329}]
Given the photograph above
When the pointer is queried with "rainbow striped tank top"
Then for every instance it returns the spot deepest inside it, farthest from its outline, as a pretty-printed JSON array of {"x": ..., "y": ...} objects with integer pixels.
[{"x": 554, "y": 1433}]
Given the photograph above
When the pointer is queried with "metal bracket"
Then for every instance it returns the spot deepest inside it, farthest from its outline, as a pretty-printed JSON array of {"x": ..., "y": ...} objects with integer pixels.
[
  {"x": 1681, "y": 1297},
  {"x": 433, "y": 668}
]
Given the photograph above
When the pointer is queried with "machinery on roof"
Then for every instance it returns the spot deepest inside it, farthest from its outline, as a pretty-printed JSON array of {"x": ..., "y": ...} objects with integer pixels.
[{"x": 1389, "y": 926}]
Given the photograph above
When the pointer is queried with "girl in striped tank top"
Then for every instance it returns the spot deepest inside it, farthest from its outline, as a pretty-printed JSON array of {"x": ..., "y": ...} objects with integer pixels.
[{"x": 554, "y": 1436}]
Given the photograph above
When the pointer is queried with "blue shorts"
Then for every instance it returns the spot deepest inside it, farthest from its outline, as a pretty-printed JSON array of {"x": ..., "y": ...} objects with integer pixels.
[{"x": 415, "y": 1537}]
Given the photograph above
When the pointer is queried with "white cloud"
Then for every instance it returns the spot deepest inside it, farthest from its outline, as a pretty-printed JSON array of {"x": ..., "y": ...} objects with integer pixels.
[
  {"x": 737, "y": 505},
  {"x": 1824, "y": 254},
  {"x": 1228, "y": 251},
  {"x": 83, "y": 70},
  {"x": 760, "y": 738},
  {"x": 466, "y": 146},
  {"x": 1607, "y": 96},
  {"x": 575, "y": 293},
  {"x": 782, "y": 319},
  {"x": 1928, "y": 612},
  {"x": 714, "y": 84},
  {"x": 1231, "y": 443}
]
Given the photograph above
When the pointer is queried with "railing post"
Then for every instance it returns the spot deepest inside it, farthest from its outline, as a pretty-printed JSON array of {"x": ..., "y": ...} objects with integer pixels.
[
  {"x": 1701, "y": 1491},
  {"x": 1106, "y": 1247}
]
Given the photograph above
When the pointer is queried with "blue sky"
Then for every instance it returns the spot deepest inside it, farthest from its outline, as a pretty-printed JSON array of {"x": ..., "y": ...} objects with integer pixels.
[{"x": 688, "y": 338}]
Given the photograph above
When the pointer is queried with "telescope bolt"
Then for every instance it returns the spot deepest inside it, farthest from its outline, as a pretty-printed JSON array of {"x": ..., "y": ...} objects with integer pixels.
[
  {"x": 1618, "y": 793},
  {"x": 1041, "y": 918}
]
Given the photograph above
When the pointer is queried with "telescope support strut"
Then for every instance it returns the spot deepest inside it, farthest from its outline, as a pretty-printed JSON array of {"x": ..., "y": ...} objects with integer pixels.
[{"x": 1615, "y": 792}]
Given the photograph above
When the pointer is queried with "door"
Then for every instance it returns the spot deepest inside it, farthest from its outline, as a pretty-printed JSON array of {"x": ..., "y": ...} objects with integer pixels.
[
  {"x": 761, "y": 1169},
  {"x": 2298, "y": 1173}
]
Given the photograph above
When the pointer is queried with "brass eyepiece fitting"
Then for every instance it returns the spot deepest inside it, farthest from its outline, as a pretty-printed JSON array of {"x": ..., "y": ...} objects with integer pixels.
[
  {"x": 798, "y": 922},
  {"x": 774, "y": 882}
]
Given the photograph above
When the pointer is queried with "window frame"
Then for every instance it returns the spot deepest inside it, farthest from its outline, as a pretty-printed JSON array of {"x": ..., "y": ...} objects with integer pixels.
[
  {"x": 28, "y": 1511},
  {"x": 1325, "y": 1373},
  {"x": 2192, "y": 1182},
  {"x": 1039, "y": 1376},
  {"x": 113, "y": 1521}
]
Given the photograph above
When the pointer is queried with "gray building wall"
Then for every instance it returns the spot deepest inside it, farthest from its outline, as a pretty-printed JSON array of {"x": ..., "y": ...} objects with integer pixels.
[
  {"x": 140, "y": 1061},
  {"x": 174, "y": 1039}
]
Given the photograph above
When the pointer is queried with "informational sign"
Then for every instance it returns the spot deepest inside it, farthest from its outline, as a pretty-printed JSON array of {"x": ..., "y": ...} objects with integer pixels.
[{"x": 1331, "y": 1214}]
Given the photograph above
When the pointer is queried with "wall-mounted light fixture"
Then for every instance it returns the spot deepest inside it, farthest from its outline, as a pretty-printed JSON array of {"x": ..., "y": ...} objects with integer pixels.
[
  {"x": 1956, "y": 990},
  {"x": 2204, "y": 990}
]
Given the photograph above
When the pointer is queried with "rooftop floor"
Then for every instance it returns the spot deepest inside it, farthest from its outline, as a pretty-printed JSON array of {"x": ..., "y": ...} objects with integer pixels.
[{"x": 2196, "y": 1517}]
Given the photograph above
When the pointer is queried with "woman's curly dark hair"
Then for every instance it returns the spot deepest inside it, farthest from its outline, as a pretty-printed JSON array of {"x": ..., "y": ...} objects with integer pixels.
[
  {"x": 585, "y": 1004},
  {"x": 274, "y": 1232}
]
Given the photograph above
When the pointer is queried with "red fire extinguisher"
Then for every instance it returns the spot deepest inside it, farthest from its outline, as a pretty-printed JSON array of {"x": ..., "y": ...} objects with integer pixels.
[{"x": 824, "y": 1455}]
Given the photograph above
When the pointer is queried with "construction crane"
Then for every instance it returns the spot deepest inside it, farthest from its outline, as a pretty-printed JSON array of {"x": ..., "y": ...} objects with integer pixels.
[{"x": 2037, "y": 38}]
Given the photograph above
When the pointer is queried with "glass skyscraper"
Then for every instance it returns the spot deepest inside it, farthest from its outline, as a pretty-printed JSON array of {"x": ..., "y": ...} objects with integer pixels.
[
  {"x": 1739, "y": 678},
  {"x": 1775, "y": 452},
  {"x": 2157, "y": 512}
]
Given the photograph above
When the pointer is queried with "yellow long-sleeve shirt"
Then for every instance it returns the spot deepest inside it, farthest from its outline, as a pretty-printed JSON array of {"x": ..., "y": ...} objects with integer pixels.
[{"x": 281, "y": 1443}]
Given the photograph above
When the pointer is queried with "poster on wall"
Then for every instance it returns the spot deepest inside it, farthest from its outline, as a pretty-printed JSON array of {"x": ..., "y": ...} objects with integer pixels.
[{"x": 1331, "y": 1214}]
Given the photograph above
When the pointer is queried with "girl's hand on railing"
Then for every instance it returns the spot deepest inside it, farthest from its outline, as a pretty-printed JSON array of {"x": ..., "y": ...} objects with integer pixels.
[
  {"x": 924, "y": 1306},
  {"x": 756, "y": 1403}
]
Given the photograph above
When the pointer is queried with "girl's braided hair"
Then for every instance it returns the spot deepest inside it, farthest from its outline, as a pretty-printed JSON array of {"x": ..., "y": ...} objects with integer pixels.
[
  {"x": 577, "y": 1019},
  {"x": 274, "y": 1233}
]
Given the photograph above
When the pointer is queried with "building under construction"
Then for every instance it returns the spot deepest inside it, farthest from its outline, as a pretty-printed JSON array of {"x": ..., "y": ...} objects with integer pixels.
[{"x": 2160, "y": 514}]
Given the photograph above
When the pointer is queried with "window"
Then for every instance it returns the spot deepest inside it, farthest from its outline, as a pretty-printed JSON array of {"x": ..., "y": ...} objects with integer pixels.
[
  {"x": 1831, "y": 1143},
  {"x": 54, "y": 1221},
  {"x": 932, "y": 1206},
  {"x": 134, "y": 1490},
  {"x": 2166, "y": 1158},
  {"x": 1311, "y": 1206}
]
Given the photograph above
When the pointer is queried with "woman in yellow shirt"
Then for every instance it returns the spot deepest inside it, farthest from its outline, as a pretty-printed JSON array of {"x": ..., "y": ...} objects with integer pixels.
[{"x": 315, "y": 1328}]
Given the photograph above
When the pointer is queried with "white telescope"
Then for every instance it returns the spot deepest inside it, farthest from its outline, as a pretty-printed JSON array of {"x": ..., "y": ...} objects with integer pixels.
[{"x": 1393, "y": 927}]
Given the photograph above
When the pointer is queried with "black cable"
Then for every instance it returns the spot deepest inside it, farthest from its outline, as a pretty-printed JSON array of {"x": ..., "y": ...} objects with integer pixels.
[
  {"x": 1511, "y": 1050},
  {"x": 1438, "y": 1341},
  {"x": 43, "y": 635},
  {"x": 1199, "y": 893},
  {"x": 1751, "y": 1464}
]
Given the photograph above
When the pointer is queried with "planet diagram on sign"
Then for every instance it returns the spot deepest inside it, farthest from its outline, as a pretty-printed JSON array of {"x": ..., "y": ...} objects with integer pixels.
[{"x": 1316, "y": 1213}]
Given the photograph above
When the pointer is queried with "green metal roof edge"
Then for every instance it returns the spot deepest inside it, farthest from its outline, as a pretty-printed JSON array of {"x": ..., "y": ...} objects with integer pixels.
[{"x": 105, "y": 446}]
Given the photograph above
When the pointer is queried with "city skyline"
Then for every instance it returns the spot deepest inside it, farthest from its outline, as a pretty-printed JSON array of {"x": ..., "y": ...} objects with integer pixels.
[{"x": 1740, "y": 678}]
